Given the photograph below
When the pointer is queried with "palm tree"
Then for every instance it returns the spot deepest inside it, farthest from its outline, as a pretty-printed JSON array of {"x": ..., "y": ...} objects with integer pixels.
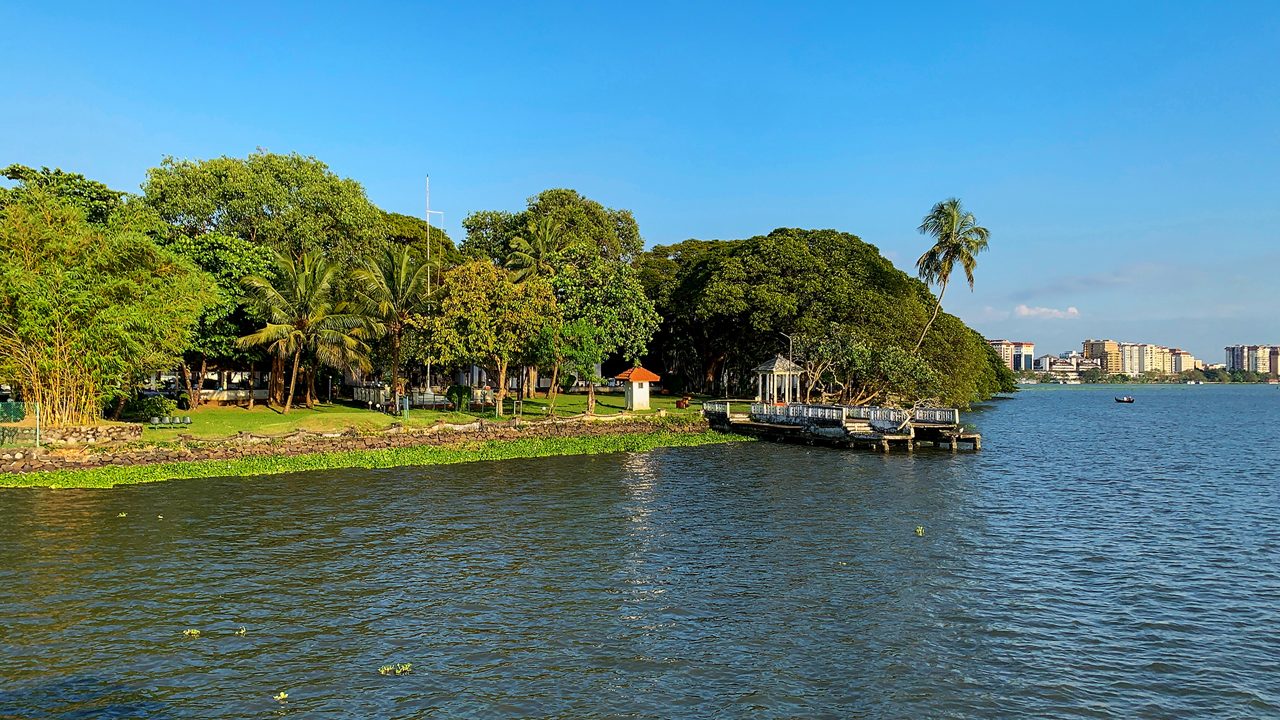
[
  {"x": 389, "y": 290},
  {"x": 958, "y": 238},
  {"x": 534, "y": 253},
  {"x": 304, "y": 314}
]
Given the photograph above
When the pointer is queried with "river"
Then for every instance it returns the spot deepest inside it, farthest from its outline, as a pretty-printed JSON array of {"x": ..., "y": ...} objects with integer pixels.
[{"x": 1094, "y": 560}]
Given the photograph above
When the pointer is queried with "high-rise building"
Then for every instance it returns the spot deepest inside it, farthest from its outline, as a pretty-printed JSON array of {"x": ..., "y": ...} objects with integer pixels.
[
  {"x": 1017, "y": 356},
  {"x": 1182, "y": 361},
  {"x": 1263, "y": 359},
  {"x": 1107, "y": 352}
]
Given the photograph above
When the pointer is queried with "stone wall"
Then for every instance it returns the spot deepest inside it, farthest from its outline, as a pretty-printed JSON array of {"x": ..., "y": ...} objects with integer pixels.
[
  {"x": 304, "y": 443},
  {"x": 89, "y": 435}
]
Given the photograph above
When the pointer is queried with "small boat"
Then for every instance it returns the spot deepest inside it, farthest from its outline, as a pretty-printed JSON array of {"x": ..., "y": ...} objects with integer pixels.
[{"x": 1125, "y": 399}]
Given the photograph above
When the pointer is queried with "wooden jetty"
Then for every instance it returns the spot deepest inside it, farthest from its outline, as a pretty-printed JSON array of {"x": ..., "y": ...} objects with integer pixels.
[{"x": 873, "y": 428}]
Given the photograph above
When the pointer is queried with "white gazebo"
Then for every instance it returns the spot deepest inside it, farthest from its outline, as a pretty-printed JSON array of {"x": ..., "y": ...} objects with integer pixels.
[{"x": 778, "y": 381}]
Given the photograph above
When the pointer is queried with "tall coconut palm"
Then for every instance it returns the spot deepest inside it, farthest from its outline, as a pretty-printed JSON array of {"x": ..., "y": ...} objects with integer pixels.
[
  {"x": 957, "y": 238},
  {"x": 533, "y": 253},
  {"x": 304, "y": 315},
  {"x": 389, "y": 290}
]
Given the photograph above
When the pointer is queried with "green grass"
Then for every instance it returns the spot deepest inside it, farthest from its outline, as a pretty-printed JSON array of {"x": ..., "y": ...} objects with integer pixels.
[
  {"x": 211, "y": 423},
  {"x": 421, "y": 455}
]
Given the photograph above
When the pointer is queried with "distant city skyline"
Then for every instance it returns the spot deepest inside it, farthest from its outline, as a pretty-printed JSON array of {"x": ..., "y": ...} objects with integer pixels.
[{"x": 1123, "y": 155}]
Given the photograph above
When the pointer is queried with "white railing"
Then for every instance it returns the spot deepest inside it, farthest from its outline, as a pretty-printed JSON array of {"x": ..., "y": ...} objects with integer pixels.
[
  {"x": 938, "y": 416},
  {"x": 798, "y": 414},
  {"x": 801, "y": 414},
  {"x": 715, "y": 407}
]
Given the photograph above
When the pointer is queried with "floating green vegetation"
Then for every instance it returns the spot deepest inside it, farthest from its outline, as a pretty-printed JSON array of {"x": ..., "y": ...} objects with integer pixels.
[
  {"x": 397, "y": 669},
  {"x": 191, "y": 633},
  {"x": 472, "y": 451},
  {"x": 120, "y": 515},
  {"x": 281, "y": 696},
  {"x": 920, "y": 531},
  {"x": 241, "y": 631}
]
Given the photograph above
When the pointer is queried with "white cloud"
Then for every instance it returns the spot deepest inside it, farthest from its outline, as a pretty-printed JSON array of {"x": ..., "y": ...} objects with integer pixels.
[{"x": 1046, "y": 313}]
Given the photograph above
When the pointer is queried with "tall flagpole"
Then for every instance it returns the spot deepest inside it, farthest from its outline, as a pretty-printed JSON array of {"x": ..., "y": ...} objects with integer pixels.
[
  {"x": 429, "y": 387},
  {"x": 429, "y": 213}
]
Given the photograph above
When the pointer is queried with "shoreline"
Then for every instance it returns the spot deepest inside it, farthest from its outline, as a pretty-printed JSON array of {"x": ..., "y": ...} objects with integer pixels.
[{"x": 413, "y": 450}]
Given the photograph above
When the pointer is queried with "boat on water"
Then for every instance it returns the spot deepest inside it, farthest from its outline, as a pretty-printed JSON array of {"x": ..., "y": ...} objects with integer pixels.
[{"x": 1125, "y": 399}]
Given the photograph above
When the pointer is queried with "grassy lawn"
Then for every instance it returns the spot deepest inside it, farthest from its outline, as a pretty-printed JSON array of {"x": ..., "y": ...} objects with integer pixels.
[{"x": 220, "y": 422}]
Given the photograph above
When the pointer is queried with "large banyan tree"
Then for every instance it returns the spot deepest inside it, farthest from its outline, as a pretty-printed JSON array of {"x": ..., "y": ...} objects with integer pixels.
[{"x": 727, "y": 305}]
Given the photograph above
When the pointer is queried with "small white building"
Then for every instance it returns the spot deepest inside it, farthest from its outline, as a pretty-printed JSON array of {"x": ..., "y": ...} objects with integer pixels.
[{"x": 637, "y": 381}]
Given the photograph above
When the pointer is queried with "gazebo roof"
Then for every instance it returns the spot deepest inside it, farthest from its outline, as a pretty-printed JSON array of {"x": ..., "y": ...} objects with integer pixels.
[
  {"x": 637, "y": 374},
  {"x": 778, "y": 366}
]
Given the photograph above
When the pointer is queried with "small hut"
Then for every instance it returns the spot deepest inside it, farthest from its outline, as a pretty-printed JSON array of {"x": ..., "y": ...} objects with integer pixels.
[
  {"x": 778, "y": 381},
  {"x": 637, "y": 381}
]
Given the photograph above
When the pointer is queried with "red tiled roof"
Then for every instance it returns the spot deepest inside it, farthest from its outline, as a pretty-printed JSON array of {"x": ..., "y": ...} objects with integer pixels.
[{"x": 637, "y": 374}]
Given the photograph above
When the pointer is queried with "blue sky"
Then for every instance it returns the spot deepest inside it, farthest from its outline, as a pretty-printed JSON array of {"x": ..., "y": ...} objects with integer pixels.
[{"x": 1126, "y": 156}]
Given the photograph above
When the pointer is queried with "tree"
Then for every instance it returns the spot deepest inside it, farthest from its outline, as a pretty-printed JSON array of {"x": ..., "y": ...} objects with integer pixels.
[
  {"x": 820, "y": 353},
  {"x": 725, "y": 305},
  {"x": 96, "y": 200},
  {"x": 304, "y": 314},
  {"x": 588, "y": 229},
  {"x": 536, "y": 252},
  {"x": 86, "y": 309},
  {"x": 583, "y": 353},
  {"x": 390, "y": 290},
  {"x": 609, "y": 296},
  {"x": 486, "y": 318},
  {"x": 406, "y": 230},
  {"x": 957, "y": 238},
  {"x": 289, "y": 203},
  {"x": 227, "y": 259}
]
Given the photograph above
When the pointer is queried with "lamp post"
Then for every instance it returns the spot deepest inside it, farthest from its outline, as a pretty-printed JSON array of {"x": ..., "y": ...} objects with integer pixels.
[{"x": 790, "y": 344}]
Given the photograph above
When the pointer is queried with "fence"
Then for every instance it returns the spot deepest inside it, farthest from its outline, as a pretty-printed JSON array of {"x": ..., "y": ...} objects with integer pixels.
[
  {"x": 17, "y": 412},
  {"x": 12, "y": 412}
]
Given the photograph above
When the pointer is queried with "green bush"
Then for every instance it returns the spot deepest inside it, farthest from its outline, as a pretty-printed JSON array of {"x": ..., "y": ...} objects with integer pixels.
[
  {"x": 460, "y": 396},
  {"x": 145, "y": 408}
]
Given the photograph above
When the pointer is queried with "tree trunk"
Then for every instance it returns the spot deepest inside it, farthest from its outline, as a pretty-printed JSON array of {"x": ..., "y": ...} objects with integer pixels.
[
  {"x": 293, "y": 380},
  {"x": 502, "y": 387},
  {"x": 198, "y": 398},
  {"x": 395, "y": 369},
  {"x": 119, "y": 408},
  {"x": 311, "y": 387},
  {"x": 553, "y": 390},
  {"x": 711, "y": 370},
  {"x": 942, "y": 291},
  {"x": 186, "y": 383},
  {"x": 591, "y": 397},
  {"x": 276, "y": 392}
]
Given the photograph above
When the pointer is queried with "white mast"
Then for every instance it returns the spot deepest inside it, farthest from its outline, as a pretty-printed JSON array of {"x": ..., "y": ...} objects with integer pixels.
[{"x": 429, "y": 213}]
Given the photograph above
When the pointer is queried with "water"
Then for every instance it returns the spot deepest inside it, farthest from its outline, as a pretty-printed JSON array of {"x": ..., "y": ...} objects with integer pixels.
[{"x": 1095, "y": 560}]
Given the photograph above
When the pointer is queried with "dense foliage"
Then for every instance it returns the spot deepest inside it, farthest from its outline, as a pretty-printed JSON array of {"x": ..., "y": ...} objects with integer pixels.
[
  {"x": 87, "y": 309},
  {"x": 728, "y": 305},
  {"x": 274, "y": 261}
]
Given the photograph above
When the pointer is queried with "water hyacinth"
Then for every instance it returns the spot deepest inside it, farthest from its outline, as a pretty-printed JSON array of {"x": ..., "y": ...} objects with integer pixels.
[{"x": 385, "y": 458}]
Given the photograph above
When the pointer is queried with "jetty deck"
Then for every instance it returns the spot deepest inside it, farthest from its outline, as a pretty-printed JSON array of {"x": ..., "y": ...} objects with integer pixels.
[{"x": 873, "y": 428}]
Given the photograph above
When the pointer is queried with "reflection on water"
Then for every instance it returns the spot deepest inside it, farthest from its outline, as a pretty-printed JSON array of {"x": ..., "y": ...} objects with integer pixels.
[{"x": 1094, "y": 561}]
